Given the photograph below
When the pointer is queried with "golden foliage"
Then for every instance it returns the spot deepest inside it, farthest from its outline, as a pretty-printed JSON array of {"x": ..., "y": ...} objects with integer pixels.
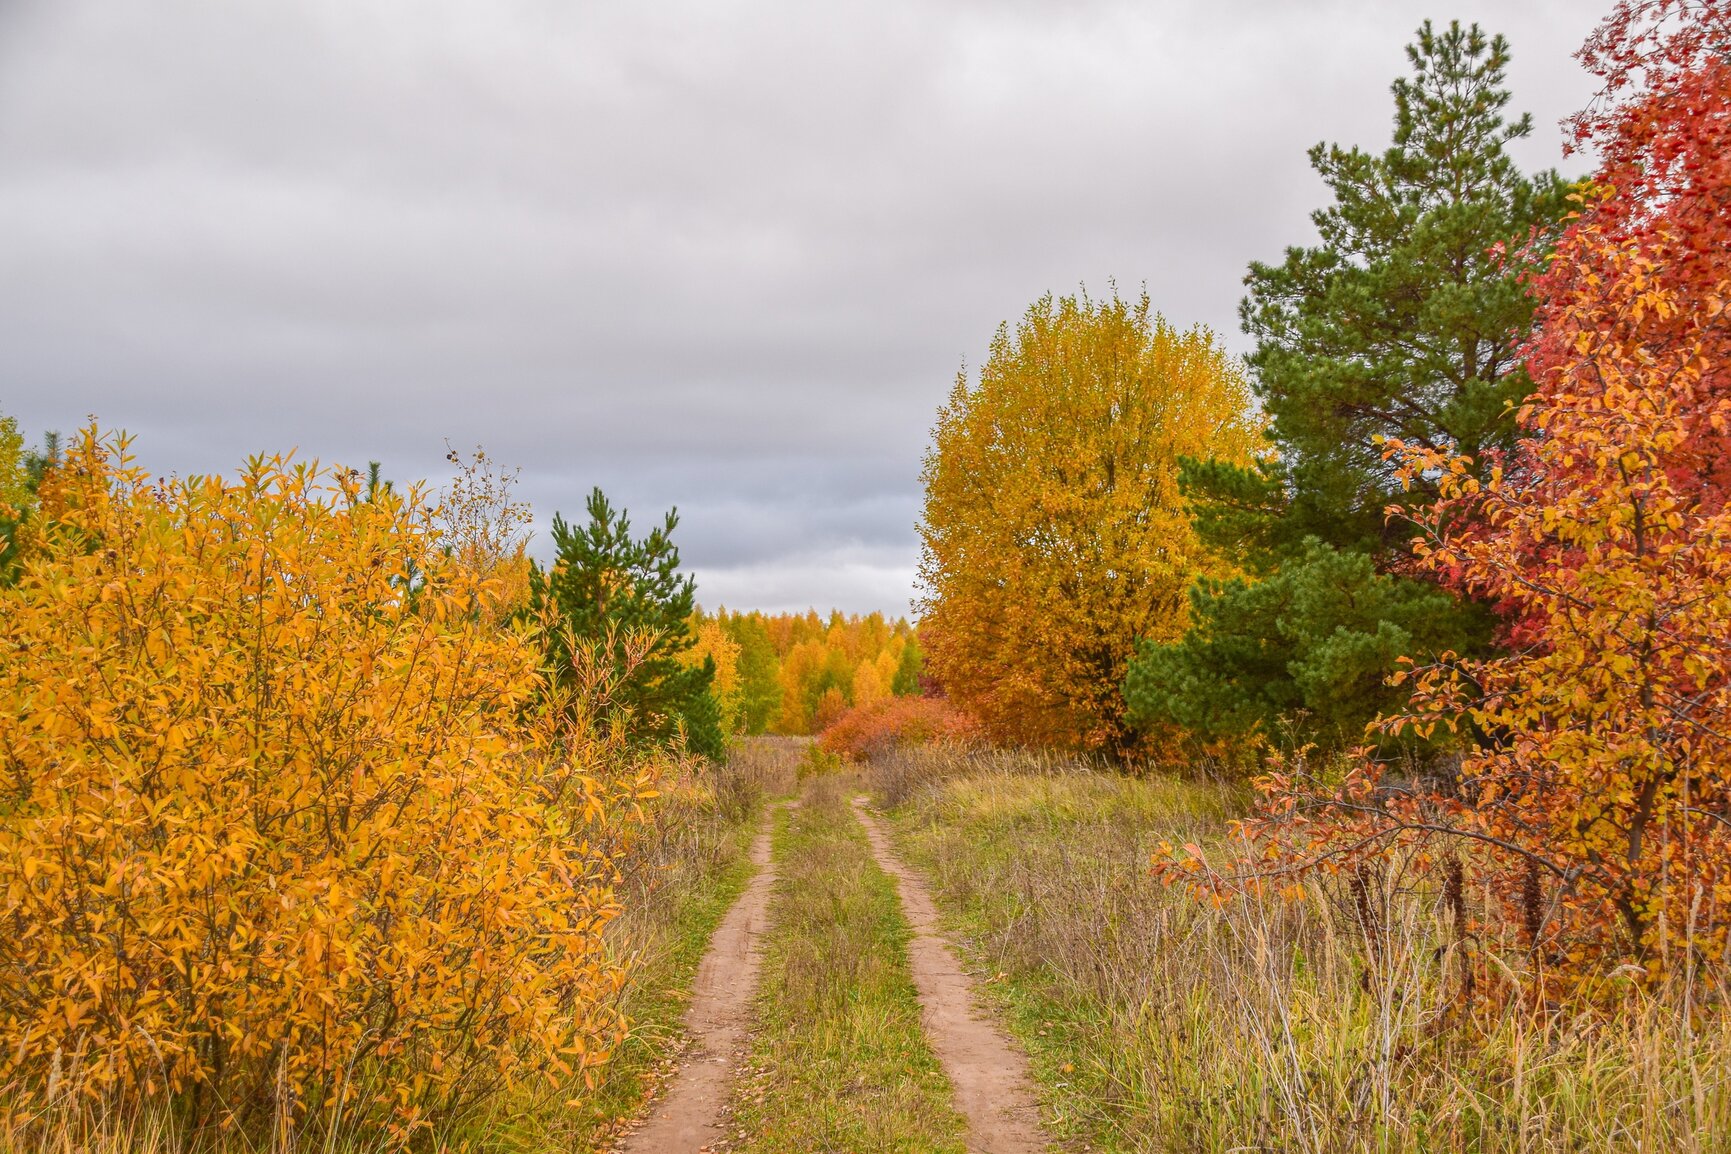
[
  {"x": 1054, "y": 534},
  {"x": 14, "y": 487},
  {"x": 1611, "y": 776},
  {"x": 711, "y": 642},
  {"x": 871, "y": 680},
  {"x": 789, "y": 662},
  {"x": 290, "y": 828}
]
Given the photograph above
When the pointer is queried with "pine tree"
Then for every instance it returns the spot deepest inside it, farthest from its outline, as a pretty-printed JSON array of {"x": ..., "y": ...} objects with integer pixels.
[
  {"x": 614, "y": 591},
  {"x": 1405, "y": 322}
]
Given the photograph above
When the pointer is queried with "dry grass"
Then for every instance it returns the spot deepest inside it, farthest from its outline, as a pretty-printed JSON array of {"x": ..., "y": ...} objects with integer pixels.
[
  {"x": 677, "y": 881},
  {"x": 1160, "y": 1023}
]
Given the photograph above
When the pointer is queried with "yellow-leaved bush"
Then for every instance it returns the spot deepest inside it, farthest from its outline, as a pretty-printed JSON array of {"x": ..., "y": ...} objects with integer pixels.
[{"x": 288, "y": 829}]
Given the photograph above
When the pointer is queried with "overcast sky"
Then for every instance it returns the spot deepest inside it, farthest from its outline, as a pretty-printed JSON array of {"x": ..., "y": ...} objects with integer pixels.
[{"x": 723, "y": 255}]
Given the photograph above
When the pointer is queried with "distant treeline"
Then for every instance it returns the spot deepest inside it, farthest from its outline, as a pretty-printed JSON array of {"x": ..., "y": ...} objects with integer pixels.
[{"x": 796, "y": 673}]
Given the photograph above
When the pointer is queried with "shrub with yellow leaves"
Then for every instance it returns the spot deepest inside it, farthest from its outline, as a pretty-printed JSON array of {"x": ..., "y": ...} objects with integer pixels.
[{"x": 289, "y": 830}]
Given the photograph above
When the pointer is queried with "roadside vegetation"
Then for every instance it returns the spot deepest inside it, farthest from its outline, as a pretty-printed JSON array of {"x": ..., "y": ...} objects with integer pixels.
[
  {"x": 682, "y": 876},
  {"x": 1338, "y": 1022},
  {"x": 299, "y": 838},
  {"x": 320, "y": 821}
]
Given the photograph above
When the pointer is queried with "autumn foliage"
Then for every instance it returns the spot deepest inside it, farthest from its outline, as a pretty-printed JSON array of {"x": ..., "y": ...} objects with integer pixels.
[
  {"x": 796, "y": 673},
  {"x": 485, "y": 529},
  {"x": 1054, "y": 534},
  {"x": 1662, "y": 129},
  {"x": 1594, "y": 803},
  {"x": 892, "y": 722},
  {"x": 1596, "y": 808},
  {"x": 293, "y": 830}
]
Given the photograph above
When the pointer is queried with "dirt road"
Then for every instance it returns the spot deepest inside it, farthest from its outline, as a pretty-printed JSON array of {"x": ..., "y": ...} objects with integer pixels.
[
  {"x": 990, "y": 1076},
  {"x": 688, "y": 1118}
]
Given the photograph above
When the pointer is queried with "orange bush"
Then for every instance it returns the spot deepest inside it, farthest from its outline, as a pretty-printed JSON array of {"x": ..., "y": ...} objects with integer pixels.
[
  {"x": 894, "y": 721},
  {"x": 290, "y": 830}
]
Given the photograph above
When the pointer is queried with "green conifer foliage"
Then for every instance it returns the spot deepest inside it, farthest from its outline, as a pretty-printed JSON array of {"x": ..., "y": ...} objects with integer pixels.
[
  {"x": 614, "y": 591},
  {"x": 1303, "y": 652},
  {"x": 1406, "y": 321}
]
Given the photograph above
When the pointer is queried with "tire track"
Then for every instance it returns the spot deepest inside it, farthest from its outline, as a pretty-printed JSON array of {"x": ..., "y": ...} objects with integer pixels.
[
  {"x": 688, "y": 1118},
  {"x": 990, "y": 1076}
]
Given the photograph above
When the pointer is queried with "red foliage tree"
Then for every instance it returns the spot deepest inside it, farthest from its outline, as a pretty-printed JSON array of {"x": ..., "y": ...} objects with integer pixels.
[
  {"x": 1596, "y": 806},
  {"x": 1662, "y": 128},
  {"x": 895, "y": 721}
]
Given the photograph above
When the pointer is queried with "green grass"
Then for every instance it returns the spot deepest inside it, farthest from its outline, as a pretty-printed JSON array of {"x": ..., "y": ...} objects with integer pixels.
[
  {"x": 1006, "y": 851},
  {"x": 839, "y": 1061}
]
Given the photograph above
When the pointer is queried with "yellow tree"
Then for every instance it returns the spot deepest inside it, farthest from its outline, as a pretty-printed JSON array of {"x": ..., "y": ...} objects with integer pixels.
[
  {"x": 16, "y": 494},
  {"x": 1054, "y": 533},
  {"x": 711, "y": 641},
  {"x": 800, "y": 669},
  {"x": 870, "y": 682},
  {"x": 14, "y": 476}
]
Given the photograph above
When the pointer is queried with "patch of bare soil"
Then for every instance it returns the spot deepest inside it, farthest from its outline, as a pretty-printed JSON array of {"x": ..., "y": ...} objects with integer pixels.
[{"x": 990, "y": 1076}]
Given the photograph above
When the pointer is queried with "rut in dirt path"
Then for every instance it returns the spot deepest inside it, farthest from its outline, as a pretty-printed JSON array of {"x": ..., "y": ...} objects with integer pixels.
[
  {"x": 688, "y": 1117},
  {"x": 990, "y": 1075}
]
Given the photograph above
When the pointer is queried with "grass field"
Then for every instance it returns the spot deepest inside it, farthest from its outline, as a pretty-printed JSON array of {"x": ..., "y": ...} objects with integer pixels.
[
  {"x": 1159, "y": 1023},
  {"x": 1154, "y": 1022}
]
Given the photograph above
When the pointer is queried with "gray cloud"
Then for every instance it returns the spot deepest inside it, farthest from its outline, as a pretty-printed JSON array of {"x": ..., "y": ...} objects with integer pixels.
[{"x": 724, "y": 256}]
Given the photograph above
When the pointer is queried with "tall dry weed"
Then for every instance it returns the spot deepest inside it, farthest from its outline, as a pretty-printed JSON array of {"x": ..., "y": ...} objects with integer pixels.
[{"x": 1340, "y": 1021}]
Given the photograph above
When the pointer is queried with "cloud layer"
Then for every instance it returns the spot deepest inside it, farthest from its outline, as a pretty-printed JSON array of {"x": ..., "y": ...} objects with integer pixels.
[{"x": 724, "y": 256}]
